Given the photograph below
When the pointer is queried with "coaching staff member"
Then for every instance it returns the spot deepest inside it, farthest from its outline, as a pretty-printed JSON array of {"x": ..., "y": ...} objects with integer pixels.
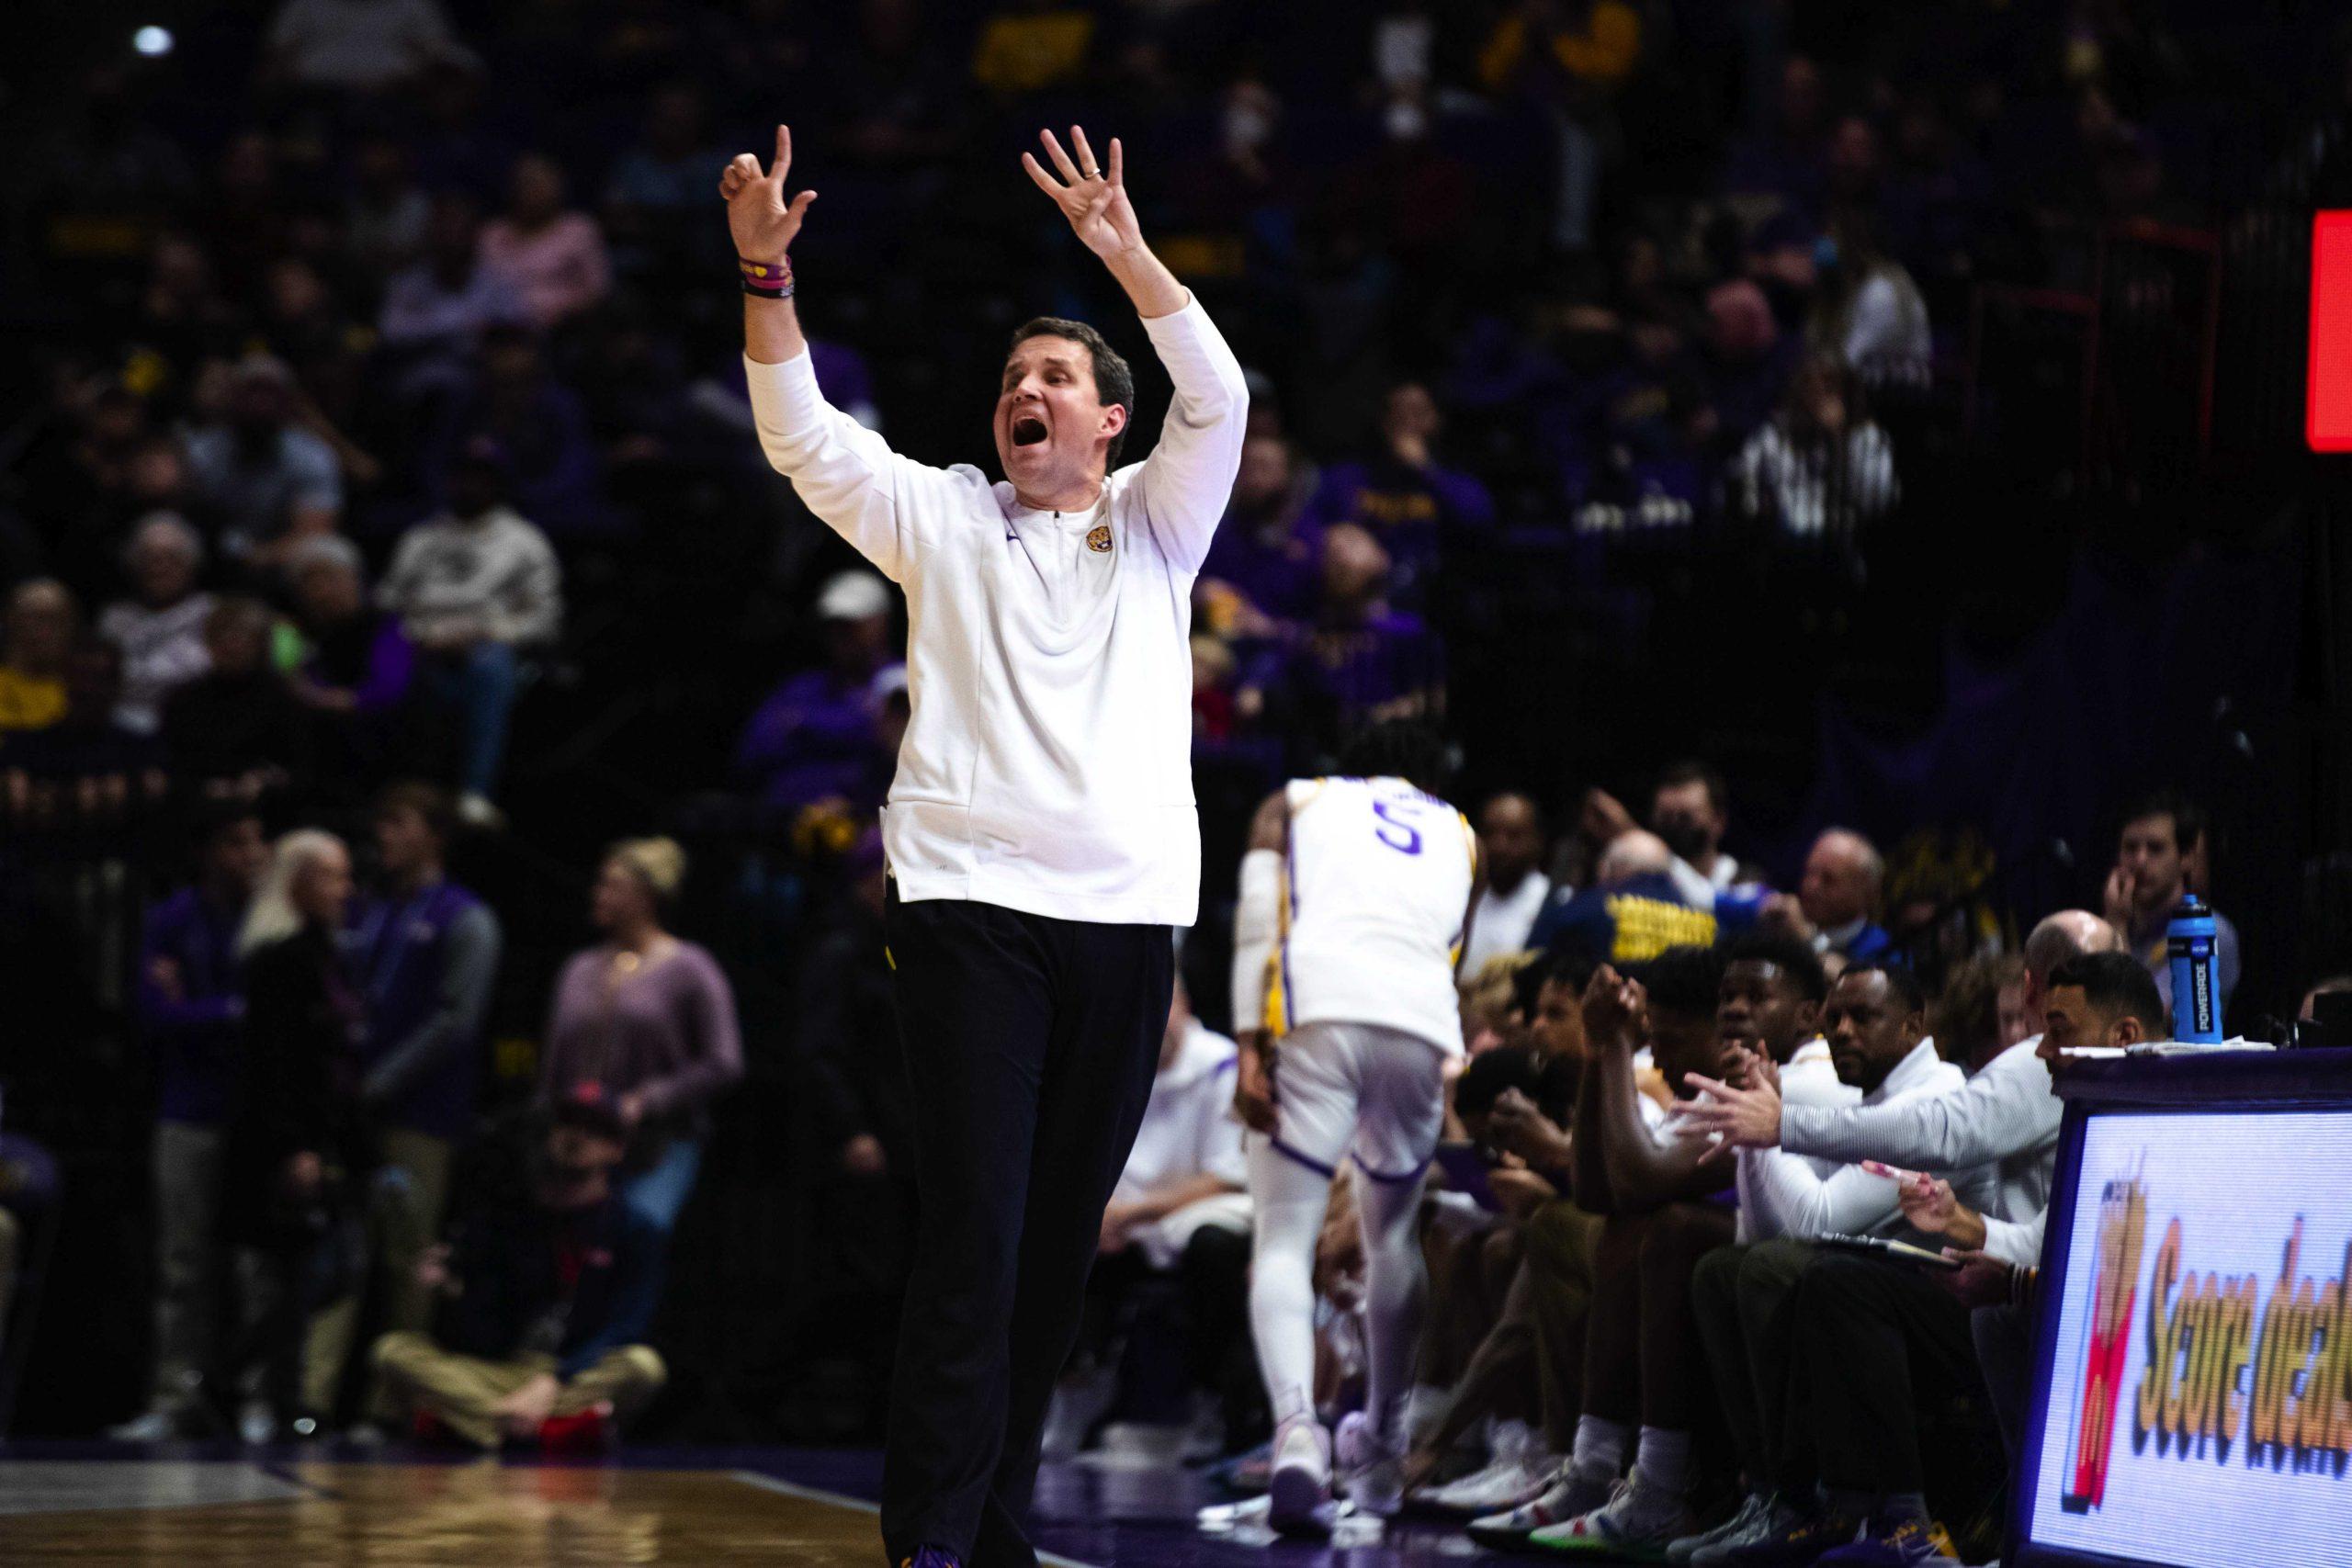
[{"x": 1040, "y": 831}]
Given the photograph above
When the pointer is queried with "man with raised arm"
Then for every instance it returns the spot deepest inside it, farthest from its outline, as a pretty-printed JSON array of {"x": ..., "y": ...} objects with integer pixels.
[{"x": 1041, "y": 832}]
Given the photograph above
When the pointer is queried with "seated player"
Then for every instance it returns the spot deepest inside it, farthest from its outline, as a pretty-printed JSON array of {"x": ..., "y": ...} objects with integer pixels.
[
  {"x": 1664, "y": 1207},
  {"x": 1370, "y": 878}
]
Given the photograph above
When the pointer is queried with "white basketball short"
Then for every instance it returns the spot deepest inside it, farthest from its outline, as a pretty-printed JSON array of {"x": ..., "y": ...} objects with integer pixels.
[{"x": 1361, "y": 1088}]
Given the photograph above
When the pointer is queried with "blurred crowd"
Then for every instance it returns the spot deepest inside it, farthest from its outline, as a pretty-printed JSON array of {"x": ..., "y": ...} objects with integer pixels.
[{"x": 380, "y": 378}]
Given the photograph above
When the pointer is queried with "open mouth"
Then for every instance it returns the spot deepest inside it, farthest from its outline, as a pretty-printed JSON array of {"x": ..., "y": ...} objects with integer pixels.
[{"x": 1028, "y": 430}]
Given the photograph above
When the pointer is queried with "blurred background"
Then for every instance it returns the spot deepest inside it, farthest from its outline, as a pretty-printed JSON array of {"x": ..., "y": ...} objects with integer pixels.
[{"x": 1900, "y": 408}]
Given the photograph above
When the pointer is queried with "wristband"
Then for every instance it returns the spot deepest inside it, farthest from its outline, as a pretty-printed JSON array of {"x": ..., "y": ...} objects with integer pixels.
[{"x": 766, "y": 280}]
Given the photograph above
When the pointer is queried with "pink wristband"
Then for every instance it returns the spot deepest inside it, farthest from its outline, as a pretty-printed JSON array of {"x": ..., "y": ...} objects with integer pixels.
[{"x": 766, "y": 280}]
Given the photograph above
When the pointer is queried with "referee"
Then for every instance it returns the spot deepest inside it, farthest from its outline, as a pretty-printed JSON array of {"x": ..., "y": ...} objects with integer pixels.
[{"x": 1040, "y": 831}]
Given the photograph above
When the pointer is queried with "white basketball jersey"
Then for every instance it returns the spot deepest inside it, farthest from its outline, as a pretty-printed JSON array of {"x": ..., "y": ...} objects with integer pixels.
[{"x": 1377, "y": 884}]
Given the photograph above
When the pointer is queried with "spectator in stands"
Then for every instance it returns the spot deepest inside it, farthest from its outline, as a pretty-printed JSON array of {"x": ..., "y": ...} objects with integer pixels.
[
  {"x": 1412, "y": 503},
  {"x": 236, "y": 730},
  {"x": 1361, "y": 663},
  {"x": 296, "y": 1155},
  {"x": 1981, "y": 1011},
  {"x": 539, "y": 426},
  {"x": 813, "y": 738},
  {"x": 1510, "y": 850},
  {"x": 1746, "y": 365},
  {"x": 161, "y": 631},
  {"x": 547, "y": 1288},
  {"x": 1837, "y": 901},
  {"x": 649, "y": 1019},
  {"x": 191, "y": 1010},
  {"x": 86, "y": 773},
  {"x": 386, "y": 216},
  {"x": 1868, "y": 312},
  {"x": 2163, "y": 836},
  {"x": 1689, "y": 809},
  {"x": 358, "y": 665},
  {"x": 475, "y": 588},
  {"x": 1820, "y": 468},
  {"x": 436, "y": 311},
  {"x": 1261, "y": 570},
  {"x": 556, "y": 256},
  {"x": 270, "y": 481},
  {"x": 358, "y": 46},
  {"x": 1634, "y": 911},
  {"x": 665, "y": 172},
  {"x": 43, "y": 618},
  {"x": 425, "y": 951},
  {"x": 1180, "y": 1208}
]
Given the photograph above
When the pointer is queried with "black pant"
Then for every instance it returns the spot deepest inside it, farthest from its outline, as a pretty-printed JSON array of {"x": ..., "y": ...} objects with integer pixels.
[
  {"x": 1031, "y": 1045},
  {"x": 1880, "y": 1342},
  {"x": 1742, "y": 1296}
]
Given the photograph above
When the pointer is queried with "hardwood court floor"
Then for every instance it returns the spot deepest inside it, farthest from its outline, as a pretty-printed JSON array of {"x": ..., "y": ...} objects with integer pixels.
[{"x": 132, "y": 1514}]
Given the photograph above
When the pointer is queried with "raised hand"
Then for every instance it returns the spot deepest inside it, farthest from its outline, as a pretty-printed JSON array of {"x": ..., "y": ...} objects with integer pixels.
[
  {"x": 1614, "y": 1007},
  {"x": 1093, "y": 197},
  {"x": 761, "y": 220}
]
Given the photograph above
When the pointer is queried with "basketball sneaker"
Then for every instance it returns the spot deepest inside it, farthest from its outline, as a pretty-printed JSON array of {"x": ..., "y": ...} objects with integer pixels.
[
  {"x": 1635, "y": 1526},
  {"x": 1801, "y": 1542},
  {"x": 1913, "y": 1543},
  {"x": 1569, "y": 1496},
  {"x": 1371, "y": 1465},
  {"x": 1299, "y": 1485}
]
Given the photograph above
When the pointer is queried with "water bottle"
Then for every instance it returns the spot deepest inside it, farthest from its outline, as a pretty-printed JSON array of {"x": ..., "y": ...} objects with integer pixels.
[{"x": 2196, "y": 972}]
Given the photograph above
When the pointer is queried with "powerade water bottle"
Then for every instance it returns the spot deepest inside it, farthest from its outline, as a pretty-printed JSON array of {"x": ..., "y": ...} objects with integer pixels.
[{"x": 2196, "y": 972}]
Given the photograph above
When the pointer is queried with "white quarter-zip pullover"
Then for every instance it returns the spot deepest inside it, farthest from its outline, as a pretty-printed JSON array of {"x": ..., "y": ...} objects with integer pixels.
[{"x": 1047, "y": 763}]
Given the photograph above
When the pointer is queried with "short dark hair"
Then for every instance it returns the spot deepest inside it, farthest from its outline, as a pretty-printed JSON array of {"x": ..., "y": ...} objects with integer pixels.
[
  {"x": 1492, "y": 1072},
  {"x": 1694, "y": 772},
  {"x": 1570, "y": 968},
  {"x": 1683, "y": 980},
  {"x": 1114, "y": 381},
  {"x": 1899, "y": 980},
  {"x": 1791, "y": 955},
  {"x": 2115, "y": 983},
  {"x": 210, "y": 821},
  {"x": 1400, "y": 748},
  {"x": 2186, "y": 816},
  {"x": 430, "y": 802}
]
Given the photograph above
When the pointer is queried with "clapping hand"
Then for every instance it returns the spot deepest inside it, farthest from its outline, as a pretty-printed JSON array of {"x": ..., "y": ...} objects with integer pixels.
[
  {"x": 1095, "y": 200},
  {"x": 763, "y": 224}
]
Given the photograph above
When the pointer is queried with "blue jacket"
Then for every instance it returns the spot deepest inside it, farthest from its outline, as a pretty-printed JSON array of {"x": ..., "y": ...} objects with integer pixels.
[
  {"x": 425, "y": 965},
  {"x": 195, "y": 1029}
]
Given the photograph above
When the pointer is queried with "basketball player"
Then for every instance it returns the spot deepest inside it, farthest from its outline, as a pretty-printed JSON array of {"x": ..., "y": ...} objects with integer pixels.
[
  {"x": 1041, "y": 834},
  {"x": 1354, "y": 892}
]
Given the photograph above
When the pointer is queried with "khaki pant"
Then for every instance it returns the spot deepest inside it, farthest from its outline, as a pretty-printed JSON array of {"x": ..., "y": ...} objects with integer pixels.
[
  {"x": 1560, "y": 1242},
  {"x": 398, "y": 1231},
  {"x": 463, "y": 1390}
]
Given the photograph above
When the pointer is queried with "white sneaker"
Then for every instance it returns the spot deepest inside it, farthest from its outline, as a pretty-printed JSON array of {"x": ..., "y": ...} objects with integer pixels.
[
  {"x": 1373, "y": 1466},
  {"x": 1772, "y": 1518},
  {"x": 1079, "y": 1401},
  {"x": 156, "y": 1425},
  {"x": 1505, "y": 1484},
  {"x": 1740, "y": 1530},
  {"x": 1635, "y": 1520},
  {"x": 1300, "y": 1482},
  {"x": 1569, "y": 1496}
]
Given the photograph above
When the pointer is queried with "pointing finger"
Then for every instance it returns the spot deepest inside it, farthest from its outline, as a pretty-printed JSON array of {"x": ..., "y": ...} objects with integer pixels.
[
  {"x": 1085, "y": 153},
  {"x": 1117, "y": 174},
  {"x": 783, "y": 153}
]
